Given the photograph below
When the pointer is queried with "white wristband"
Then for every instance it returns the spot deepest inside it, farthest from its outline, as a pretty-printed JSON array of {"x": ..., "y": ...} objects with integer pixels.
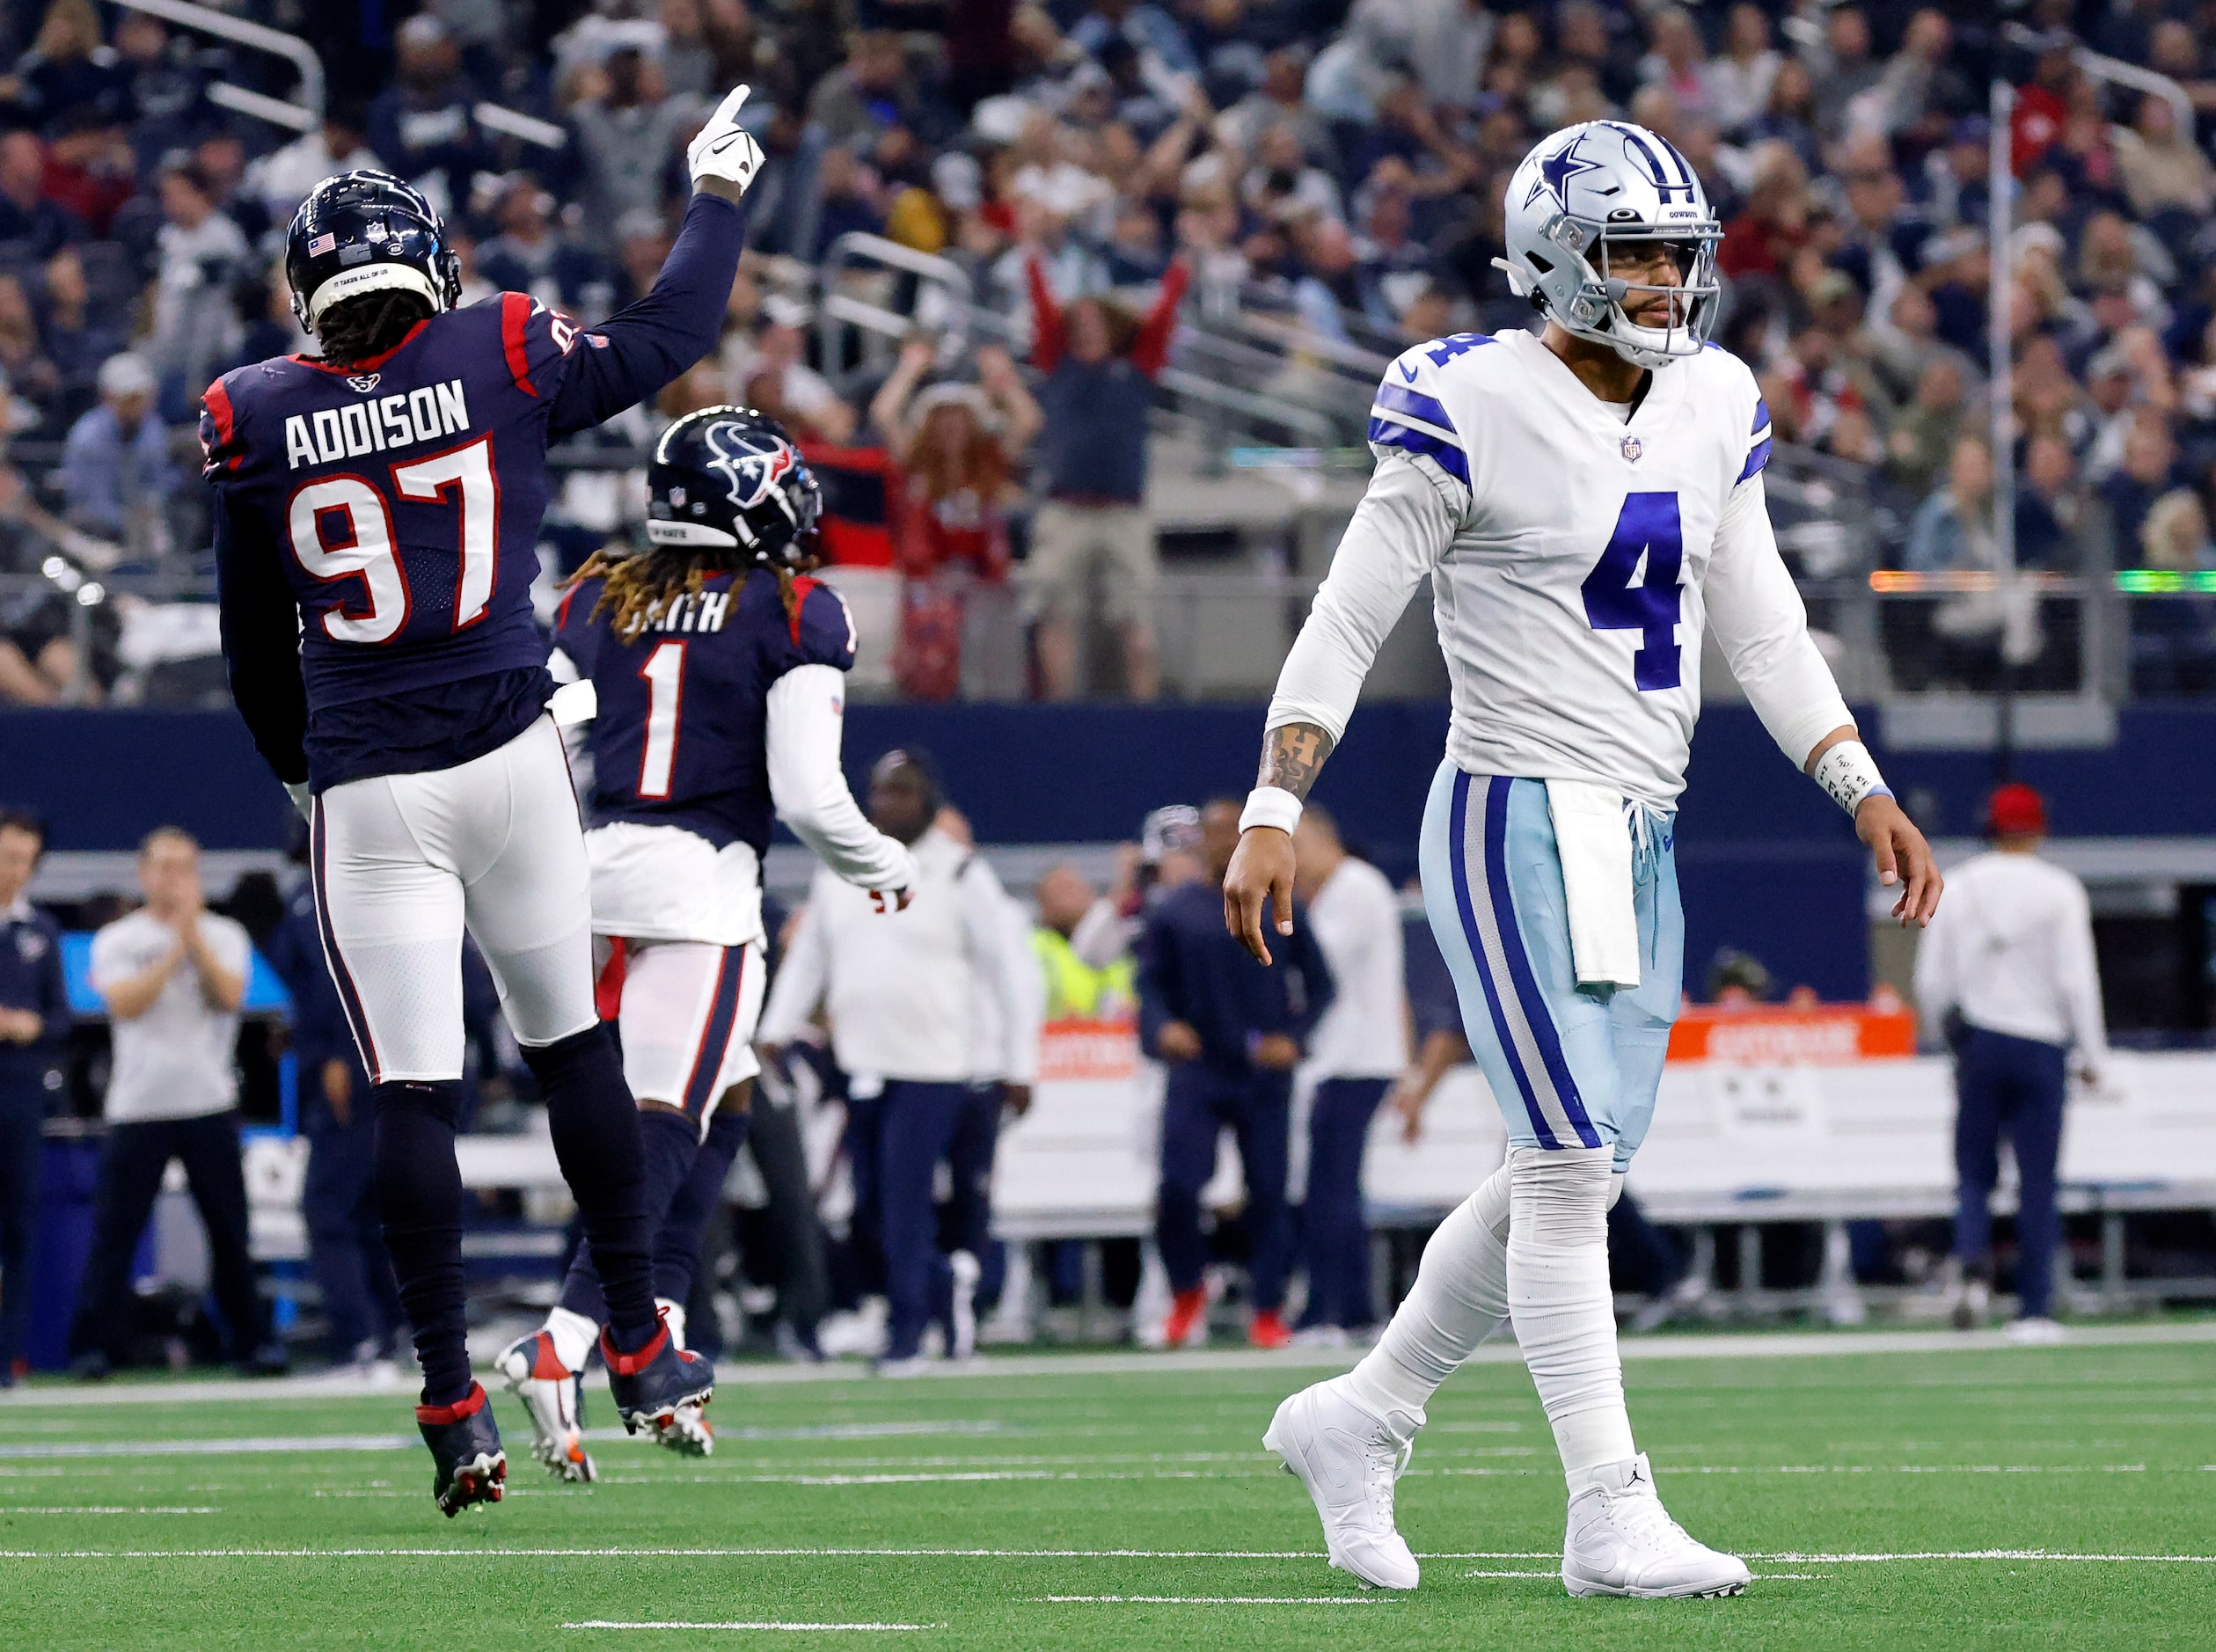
[
  {"x": 1270, "y": 806},
  {"x": 1849, "y": 774}
]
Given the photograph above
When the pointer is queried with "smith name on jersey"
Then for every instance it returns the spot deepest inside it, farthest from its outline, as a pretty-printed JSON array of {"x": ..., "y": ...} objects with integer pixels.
[
  {"x": 680, "y": 736},
  {"x": 1578, "y": 552}
]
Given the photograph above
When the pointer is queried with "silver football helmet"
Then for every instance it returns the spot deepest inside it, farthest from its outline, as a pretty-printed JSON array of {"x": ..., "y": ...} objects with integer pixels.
[{"x": 1591, "y": 186}]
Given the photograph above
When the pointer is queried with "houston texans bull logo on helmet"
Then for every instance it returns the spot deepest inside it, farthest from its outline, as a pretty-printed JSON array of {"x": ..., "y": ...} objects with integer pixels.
[{"x": 751, "y": 461}]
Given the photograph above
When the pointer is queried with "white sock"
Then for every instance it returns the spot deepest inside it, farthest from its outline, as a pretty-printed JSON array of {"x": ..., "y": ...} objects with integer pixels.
[
  {"x": 1558, "y": 1297},
  {"x": 673, "y": 1311},
  {"x": 1459, "y": 1299},
  {"x": 574, "y": 1336}
]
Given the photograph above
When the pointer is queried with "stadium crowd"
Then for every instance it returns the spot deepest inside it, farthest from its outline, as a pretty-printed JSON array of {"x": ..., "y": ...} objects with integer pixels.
[{"x": 1095, "y": 170}]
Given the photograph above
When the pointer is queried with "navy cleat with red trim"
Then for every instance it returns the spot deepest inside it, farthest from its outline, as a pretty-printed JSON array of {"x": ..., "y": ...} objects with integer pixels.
[
  {"x": 661, "y": 1388},
  {"x": 465, "y": 1444}
]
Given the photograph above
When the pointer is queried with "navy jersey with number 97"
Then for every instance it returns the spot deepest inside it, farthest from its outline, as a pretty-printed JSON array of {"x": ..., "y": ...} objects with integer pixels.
[
  {"x": 376, "y": 525},
  {"x": 680, "y": 734}
]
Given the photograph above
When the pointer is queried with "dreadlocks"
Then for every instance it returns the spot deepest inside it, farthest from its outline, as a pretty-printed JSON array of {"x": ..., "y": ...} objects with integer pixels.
[
  {"x": 641, "y": 587},
  {"x": 360, "y": 329}
]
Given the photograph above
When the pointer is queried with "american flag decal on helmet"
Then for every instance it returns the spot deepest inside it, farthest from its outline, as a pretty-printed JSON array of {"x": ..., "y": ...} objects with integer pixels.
[{"x": 321, "y": 245}]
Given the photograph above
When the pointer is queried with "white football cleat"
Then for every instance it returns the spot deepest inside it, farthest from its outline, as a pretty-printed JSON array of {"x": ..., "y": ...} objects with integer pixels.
[
  {"x": 2035, "y": 1331},
  {"x": 1348, "y": 1460},
  {"x": 535, "y": 1375},
  {"x": 1621, "y": 1541}
]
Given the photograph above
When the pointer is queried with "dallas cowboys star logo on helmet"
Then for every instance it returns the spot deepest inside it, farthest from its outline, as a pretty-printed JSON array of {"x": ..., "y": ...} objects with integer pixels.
[
  {"x": 751, "y": 463},
  {"x": 1556, "y": 170}
]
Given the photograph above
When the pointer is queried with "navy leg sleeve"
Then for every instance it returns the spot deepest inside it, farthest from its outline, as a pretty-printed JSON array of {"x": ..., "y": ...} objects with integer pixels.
[
  {"x": 671, "y": 1143},
  {"x": 419, "y": 1203},
  {"x": 598, "y": 1139},
  {"x": 677, "y": 1245}
]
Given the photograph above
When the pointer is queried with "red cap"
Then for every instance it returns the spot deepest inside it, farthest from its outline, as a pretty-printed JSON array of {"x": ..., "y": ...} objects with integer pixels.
[{"x": 2016, "y": 811}]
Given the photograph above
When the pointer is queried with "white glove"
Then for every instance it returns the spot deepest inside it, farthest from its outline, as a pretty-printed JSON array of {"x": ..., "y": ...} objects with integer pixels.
[
  {"x": 723, "y": 149},
  {"x": 297, "y": 791}
]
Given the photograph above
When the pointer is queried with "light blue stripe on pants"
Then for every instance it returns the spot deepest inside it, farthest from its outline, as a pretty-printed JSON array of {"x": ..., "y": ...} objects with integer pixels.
[{"x": 1569, "y": 1067}]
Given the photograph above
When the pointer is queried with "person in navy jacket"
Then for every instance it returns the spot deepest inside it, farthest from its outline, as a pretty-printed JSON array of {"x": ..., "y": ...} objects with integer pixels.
[
  {"x": 34, "y": 1027},
  {"x": 1230, "y": 1033},
  {"x": 338, "y": 1116}
]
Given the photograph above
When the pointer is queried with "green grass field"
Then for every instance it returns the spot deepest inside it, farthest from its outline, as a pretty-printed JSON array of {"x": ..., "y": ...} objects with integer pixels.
[{"x": 1092, "y": 1507}]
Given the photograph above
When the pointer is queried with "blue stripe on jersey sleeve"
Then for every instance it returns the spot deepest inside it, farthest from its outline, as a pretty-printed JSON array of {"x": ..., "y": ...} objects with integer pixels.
[
  {"x": 1761, "y": 415},
  {"x": 1755, "y": 460},
  {"x": 1387, "y": 434},
  {"x": 1415, "y": 405}
]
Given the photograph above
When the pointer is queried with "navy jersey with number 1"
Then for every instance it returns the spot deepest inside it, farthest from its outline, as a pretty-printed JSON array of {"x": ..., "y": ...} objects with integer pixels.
[
  {"x": 377, "y": 526},
  {"x": 680, "y": 734}
]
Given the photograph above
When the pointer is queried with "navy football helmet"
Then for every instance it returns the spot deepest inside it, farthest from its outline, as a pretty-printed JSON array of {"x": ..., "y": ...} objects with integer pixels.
[
  {"x": 729, "y": 477},
  {"x": 363, "y": 232}
]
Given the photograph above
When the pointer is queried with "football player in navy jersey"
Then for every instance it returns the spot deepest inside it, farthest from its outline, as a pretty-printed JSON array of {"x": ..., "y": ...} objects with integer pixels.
[
  {"x": 716, "y": 686},
  {"x": 376, "y": 523}
]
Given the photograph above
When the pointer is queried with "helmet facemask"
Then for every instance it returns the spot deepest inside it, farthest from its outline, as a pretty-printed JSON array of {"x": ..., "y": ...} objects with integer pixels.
[{"x": 1599, "y": 310}]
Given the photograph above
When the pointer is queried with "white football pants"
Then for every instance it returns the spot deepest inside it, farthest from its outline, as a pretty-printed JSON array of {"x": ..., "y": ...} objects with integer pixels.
[
  {"x": 687, "y": 1013},
  {"x": 403, "y": 863}
]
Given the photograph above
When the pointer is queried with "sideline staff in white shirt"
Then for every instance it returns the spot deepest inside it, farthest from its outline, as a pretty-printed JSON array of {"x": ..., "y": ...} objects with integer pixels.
[
  {"x": 173, "y": 975},
  {"x": 1359, "y": 1047},
  {"x": 2013, "y": 956},
  {"x": 909, "y": 997}
]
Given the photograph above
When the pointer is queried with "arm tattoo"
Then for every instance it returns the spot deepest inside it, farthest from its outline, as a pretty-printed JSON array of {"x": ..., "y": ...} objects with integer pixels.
[{"x": 1292, "y": 756}]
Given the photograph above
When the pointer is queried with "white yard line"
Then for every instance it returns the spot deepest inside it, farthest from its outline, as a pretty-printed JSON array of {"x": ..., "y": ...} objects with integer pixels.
[
  {"x": 634, "y": 1555},
  {"x": 82, "y": 1508},
  {"x": 1759, "y": 1345},
  {"x": 796, "y": 1628},
  {"x": 1214, "y": 1600}
]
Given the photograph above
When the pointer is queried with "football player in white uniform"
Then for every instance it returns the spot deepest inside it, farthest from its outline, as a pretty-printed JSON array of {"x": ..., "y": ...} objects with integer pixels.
[{"x": 1586, "y": 503}]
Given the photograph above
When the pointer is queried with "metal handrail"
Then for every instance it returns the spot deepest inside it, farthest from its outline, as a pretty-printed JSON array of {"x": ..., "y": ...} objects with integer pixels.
[
  {"x": 1313, "y": 428},
  {"x": 515, "y": 123},
  {"x": 856, "y": 245},
  {"x": 2115, "y": 71},
  {"x": 291, "y": 116},
  {"x": 208, "y": 20},
  {"x": 1293, "y": 336}
]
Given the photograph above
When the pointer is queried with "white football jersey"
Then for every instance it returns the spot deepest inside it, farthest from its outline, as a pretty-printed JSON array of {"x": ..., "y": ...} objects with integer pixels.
[{"x": 1576, "y": 559}]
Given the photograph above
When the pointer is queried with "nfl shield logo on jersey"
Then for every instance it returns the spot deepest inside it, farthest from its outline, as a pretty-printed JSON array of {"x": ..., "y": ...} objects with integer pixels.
[
  {"x": 754, "y": 463},
  {"x": 1632, "y": 449}
]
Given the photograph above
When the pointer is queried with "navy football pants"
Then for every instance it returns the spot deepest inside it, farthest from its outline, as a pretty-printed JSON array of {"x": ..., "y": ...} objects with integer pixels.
[
  {"x": 338, "y": 1203},
  {"x": 1198, "y": 1101},
  {"x": 1336, "y": 1238},
  {"x": 2013, "y": 1087},
  {"x": 919, "y": 1124},
  {"x": 22, "y": 1165}
]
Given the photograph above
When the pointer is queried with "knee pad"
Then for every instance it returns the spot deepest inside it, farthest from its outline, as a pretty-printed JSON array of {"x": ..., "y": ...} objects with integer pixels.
[{"x": 1564, "y": 1191}]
